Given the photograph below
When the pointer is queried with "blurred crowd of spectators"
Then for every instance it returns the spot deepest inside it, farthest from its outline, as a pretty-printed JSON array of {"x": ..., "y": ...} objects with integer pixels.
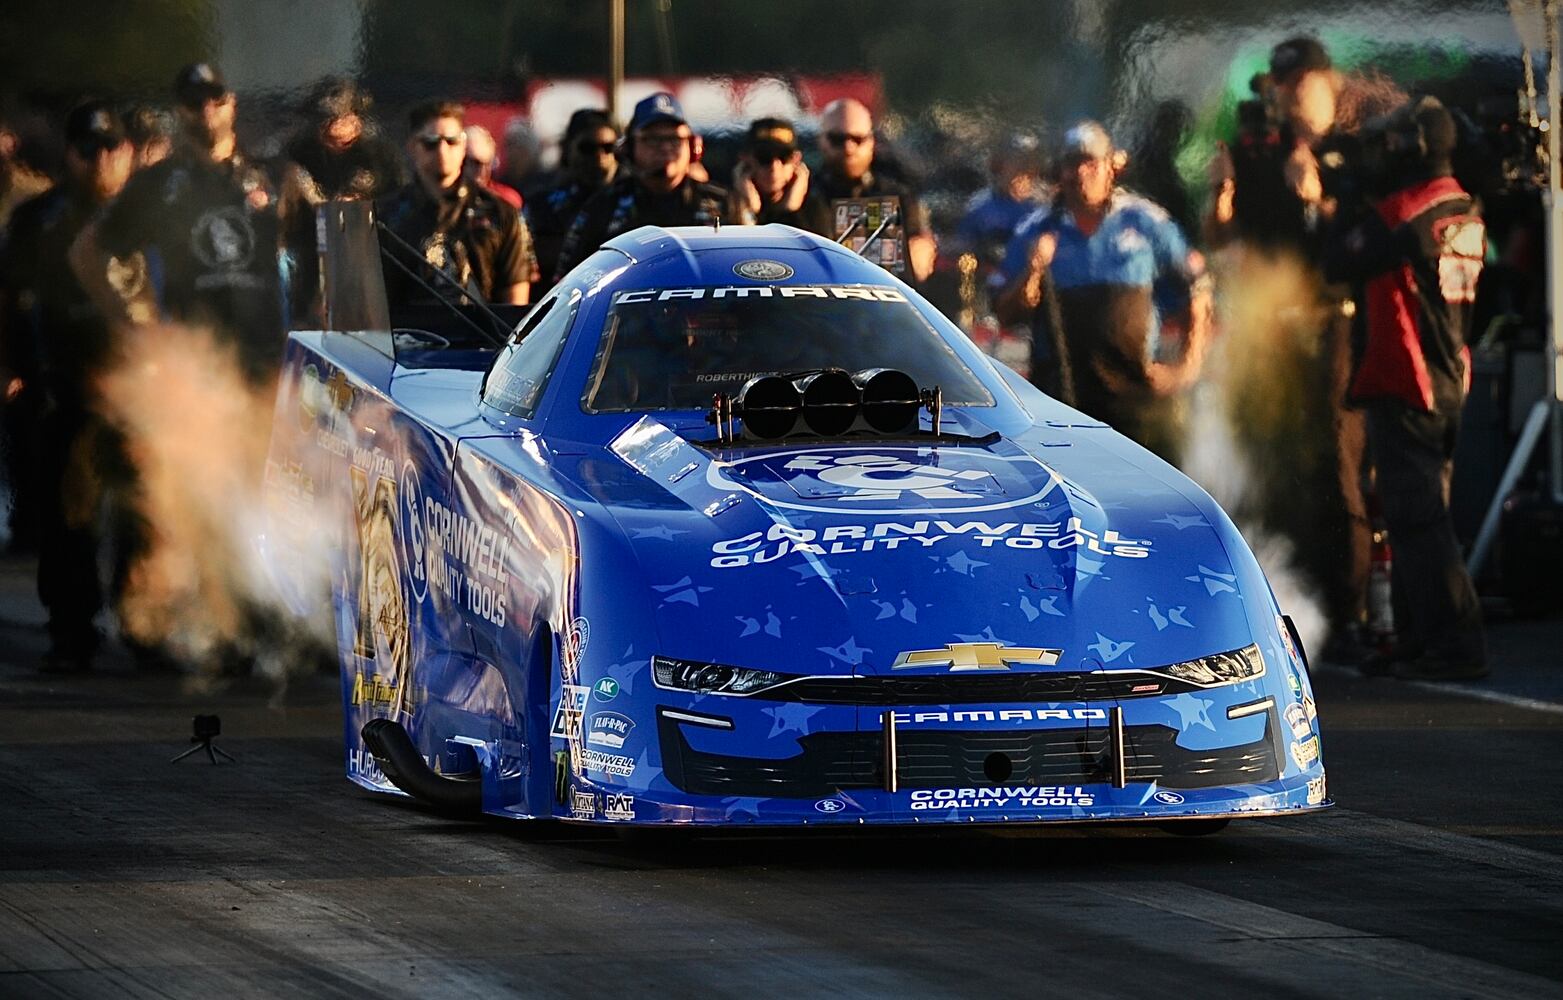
[{"x": 1075, "y": 262}]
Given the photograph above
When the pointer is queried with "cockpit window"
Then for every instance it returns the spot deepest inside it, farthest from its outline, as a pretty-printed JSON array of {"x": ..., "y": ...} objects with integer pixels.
[
  {"x": 519, "y": 375},
  {"x": 674, "y": 348}
]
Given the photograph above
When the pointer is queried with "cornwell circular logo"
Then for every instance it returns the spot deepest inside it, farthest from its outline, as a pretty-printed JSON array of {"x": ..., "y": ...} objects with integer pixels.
[
  {"x": 888, "y": 481},
  {"x": 763, "y": 270},
  {"x": 412, "y": 530}
]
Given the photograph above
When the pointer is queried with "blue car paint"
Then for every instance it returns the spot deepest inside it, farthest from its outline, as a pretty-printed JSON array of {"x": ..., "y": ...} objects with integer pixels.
[{"x": 533, "y": 565}]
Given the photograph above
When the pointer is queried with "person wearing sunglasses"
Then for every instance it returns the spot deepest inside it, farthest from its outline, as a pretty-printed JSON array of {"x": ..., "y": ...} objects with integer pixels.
[
  {"x": 771, "y": 181},
  {"x": 193, "y": 239},
  {"x": 58, "y": 343},
  {"x": 656, "y": 188},
  {"x": 459, "y": 227},
  {"x": 588, "y": 162},
  {"x": 846, "y": 141}
]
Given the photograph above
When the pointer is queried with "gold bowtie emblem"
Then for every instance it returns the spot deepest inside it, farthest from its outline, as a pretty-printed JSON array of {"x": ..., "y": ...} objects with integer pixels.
[{"x": 978, "y": 656}]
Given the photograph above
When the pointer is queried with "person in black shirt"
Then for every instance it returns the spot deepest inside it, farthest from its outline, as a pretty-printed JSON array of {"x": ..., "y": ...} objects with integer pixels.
[
  {"x": 66, "y": 344},
  {"x": 457, "y": 227},
  {"x": 194, "y": 238},
  {"x": 339, "y": 155},
  {"x": 847, "y": 142},
  {"x": 588, "y": 164},
  {"x": 771, "y": 181},
  {"x": 657, "y": 189}
]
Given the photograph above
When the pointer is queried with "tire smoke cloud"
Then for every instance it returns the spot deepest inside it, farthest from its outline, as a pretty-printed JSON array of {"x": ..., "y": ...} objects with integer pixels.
[
  {"x": 1270, "y": 318},
  {"x": 197, "y": 588}
]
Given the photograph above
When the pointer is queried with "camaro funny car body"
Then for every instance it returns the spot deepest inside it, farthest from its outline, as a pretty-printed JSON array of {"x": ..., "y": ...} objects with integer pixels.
[{"x": 567, "y": 583}]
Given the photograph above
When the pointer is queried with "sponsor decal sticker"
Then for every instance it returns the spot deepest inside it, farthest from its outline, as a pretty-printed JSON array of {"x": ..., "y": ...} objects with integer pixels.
[
  {"x": 1015, "y": 796},
  {"x": 1316, "y": 790},
  {"x": 830, "y": 805},
  {"x": 1306, "y": 752},
  {"x": 1297, "y": 719},
  {"x": 609, "y": 729},
  {"x": 608, "y": 763},
  {"x": 780, "y": 540},
  {"x": 907, "y": 480},
  {"x": 617, "y": 805},
  {"x": 415, "y": 551},
  {"x": 915, "y": 718},
  {"x": 583, "y": 805},
  {"x": 763, "y": 270},
  {"x": 1286, "y": 640},
  {"x": 572, "y": 705},
  {"x": 1310, "y": 708},
  {"x": 1168, "y": 798},
  {"x": 606, "y": 689},
  {"x": 576, "y": 639}
]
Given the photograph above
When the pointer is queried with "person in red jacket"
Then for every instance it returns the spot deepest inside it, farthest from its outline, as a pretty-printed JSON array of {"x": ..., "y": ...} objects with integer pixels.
[{"x": 1416, "y": 258}]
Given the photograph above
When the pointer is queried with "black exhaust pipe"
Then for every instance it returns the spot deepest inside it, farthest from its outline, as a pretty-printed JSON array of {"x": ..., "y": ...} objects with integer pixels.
[{"x": 404, "y": 767}]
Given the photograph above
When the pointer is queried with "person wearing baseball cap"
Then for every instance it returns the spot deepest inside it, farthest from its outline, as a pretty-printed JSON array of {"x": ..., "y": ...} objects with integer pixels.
[
  {"x": 771, "y": 181},
  {"x": 207, "y": 217},
  {"x": 656, "y": 189},
  {"x": 588, "y": 162},
  {"x": 69, "y": 346},
  {"x": 1099, "y": 272}
]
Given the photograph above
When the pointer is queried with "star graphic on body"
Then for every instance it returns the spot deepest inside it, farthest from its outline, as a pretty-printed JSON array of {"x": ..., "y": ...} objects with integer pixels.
[
  {"x": 742, "y": 806},
  {"x": 963, "y": 564},
  {"x": 660, "y": 531},
  {"x": 626, "y": 670},
  {"x": 1109, "y": 650},
  {"x": 1192, "y": 711},
  {"x": 791, "y": 717},
  {"x": 682, "y": 592},
  {"x": 848, "y": 652},
  {"x": 1181, "y": 521},
  {"x": 1215, "y": 583}
]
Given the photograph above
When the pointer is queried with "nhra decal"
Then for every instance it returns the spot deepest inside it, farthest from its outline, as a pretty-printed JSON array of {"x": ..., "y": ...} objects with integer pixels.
[
  {"x": 609, "y": 729},
  {"x": 763, "y": 270},
  {"x": 382, "y": 632},
  {"x": 999, "y": 715},
  {"x": 573, "y": 647},
  {"x": 863, "y": 293},
  {"x": 781, "y": 540},
  {"x": 992, "y": 798}
]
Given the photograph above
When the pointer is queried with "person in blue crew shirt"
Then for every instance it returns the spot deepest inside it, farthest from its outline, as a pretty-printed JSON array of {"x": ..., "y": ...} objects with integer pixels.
[{"x": 1103, "y": 275}]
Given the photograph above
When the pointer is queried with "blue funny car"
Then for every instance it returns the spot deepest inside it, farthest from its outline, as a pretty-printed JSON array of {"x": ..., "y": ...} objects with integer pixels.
[{"x": 734, "y": 528}]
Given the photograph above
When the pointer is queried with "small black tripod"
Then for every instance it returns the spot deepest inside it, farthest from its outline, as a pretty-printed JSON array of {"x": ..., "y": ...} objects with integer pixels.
[{"x": 206, "y": 727}]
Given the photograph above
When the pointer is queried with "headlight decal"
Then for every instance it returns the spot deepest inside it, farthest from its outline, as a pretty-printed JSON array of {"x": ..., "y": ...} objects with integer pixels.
[
  {"x": 697, "y": 677},
  {"x": 1218, "y": 668}
]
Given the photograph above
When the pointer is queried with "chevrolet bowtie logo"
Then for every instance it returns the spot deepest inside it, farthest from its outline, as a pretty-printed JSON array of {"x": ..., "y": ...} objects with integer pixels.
[{"x": 978, "y": 656}]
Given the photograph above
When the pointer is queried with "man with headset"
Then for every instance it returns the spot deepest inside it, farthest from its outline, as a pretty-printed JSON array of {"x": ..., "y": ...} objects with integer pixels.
[{"x": 655, "y": 189}]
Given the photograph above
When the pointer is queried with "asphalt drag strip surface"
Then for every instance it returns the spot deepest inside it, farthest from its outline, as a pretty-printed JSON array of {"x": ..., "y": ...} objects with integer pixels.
[{"x": 122, "y": 875}]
